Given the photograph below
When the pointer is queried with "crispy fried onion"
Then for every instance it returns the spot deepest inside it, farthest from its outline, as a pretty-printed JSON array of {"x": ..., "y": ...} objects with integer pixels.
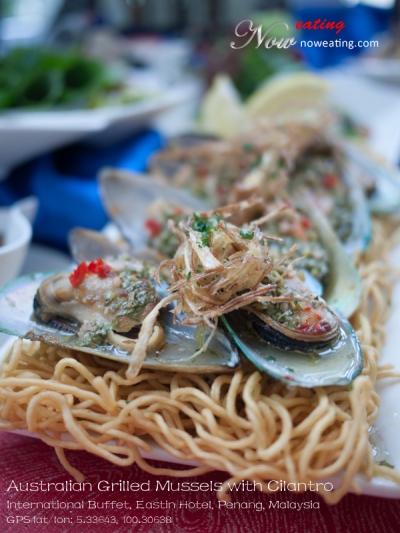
[
  {"x": 217, "y": 268},
  {"x": 145, "y": 335},
  {"x": 126, "y": 343}
]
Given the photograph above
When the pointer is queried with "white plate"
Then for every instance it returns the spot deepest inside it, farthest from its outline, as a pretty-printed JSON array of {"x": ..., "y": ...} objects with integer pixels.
[
  {"x": 387, "y": 425},
  {"x": 26, "y": 134},
  {"x": 380, "y": 69}
]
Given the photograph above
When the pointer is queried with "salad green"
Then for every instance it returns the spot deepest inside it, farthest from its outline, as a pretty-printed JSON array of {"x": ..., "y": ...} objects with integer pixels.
[{"x": 40, "y": 79}]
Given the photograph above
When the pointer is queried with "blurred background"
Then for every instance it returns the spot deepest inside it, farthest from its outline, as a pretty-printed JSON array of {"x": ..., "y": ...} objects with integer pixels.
[{"x": 91, "y": 83}]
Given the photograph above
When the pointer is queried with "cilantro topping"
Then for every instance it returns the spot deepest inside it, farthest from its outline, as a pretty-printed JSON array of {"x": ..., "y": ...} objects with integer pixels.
[
  {"x": 247, "y": 147},
  {"x": 257, "y": 162},
  {"x": 135, "y": 293},
  {"x": 199, "y": 224},
  {"x": 246, "y": 234},
  {"x": 95, "y": 335},
  {"x": 203, "y": 226}
]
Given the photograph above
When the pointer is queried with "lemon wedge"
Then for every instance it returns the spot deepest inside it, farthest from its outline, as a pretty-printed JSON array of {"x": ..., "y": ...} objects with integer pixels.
[
  {"x": 287, "y": 94},
  {"x": 222, "y": 112}
]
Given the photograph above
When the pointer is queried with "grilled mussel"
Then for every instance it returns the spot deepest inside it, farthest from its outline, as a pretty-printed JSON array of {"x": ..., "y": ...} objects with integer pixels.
[
  {"x": 225, "y": 273},
  {"x": 100, "y": 302},
  {"x": 133, "y": 203},
  {"x": 300, "y": 322},
  {"x": 293, "y": 157},
  {"x": 103, "y": 307}
]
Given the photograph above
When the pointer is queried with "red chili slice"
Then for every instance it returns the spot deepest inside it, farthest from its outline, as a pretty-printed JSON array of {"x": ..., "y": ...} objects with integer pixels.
[
  {"x": 221, "y": 190},
  {"x": 92, "y": 267},
  {"x": 100, "y": 268},
  {"x": 153, "y": 226},
  {"x": 103, "y": 271},
  {"x": 201, "y": 170},
  {"x": 329, "y": 181},
  {"x": 78, "y": 275},
  {"x": 305, "y": 223},
  {"x": 97, "y": 267}
]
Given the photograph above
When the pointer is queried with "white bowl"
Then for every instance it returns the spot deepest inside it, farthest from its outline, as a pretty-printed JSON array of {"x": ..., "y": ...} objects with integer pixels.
[{"x": 16, "y": 232}]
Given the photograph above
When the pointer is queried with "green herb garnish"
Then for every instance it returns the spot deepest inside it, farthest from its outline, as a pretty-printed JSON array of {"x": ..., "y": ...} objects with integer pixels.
[
  {"x": 247, "y": 147},
  {"x": 96, "y": 336},
  {"x": 246, "y": 234},
  {"x": 203, "y": 226},
  {"x": 135, "y": 293}
]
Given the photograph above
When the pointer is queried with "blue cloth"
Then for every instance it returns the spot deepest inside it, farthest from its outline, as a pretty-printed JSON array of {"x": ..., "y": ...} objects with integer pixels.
[{"x": 65, "y": 183}]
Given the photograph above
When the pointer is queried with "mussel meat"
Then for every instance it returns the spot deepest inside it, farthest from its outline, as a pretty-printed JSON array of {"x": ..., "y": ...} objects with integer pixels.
[
  {"x": 94, "y": 322},
  {"x": 301, "y": 323},
  {"x": 99, "y": 301}
]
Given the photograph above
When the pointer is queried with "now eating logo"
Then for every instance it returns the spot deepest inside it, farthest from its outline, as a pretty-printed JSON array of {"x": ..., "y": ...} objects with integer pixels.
[
  {"x": 256, "y": 31},
  {"x": 246, "y": 28}
]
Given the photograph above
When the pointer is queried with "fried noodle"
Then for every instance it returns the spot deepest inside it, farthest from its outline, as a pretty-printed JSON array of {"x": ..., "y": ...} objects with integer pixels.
[{"x": 245, "y": 423}]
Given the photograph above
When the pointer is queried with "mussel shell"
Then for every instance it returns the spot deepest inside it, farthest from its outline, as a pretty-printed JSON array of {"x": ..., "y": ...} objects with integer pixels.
[
  {"x": 361, "y": 233},
  {"x": 286, "y": 337},
  {"x": 344, "y": 288},
  {"x": 284, "y": 340},
  {"x": 88, "y": 245},
  {"x": 56, "y": 321},
  {"x": 127, "y": 196},
  {"x": 190, "y": 139},
  {"x": 338, "y": 364},
  {"x": 385, "y": 196},
  {"x": 16, "y": 319}
]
